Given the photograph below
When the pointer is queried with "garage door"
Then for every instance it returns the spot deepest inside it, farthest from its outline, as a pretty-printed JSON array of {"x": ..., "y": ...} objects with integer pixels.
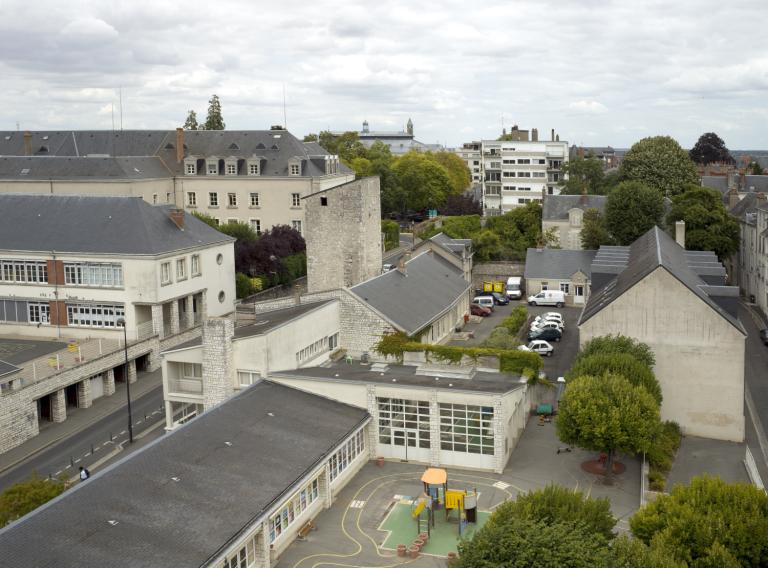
[{"x": 97, "y": 387}]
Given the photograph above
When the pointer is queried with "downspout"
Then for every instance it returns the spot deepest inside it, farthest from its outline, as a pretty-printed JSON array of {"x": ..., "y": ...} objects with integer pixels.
[{"x": 56, "y": 294}]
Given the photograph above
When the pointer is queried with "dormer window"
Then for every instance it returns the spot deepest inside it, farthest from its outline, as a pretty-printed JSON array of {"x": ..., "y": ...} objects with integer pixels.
[
  {"x": 231, "y": 169},
  {"x": 191, "y": 168},
  {"x": 213, "y": 168},
  {"x": 253, "y": 169},
  {"x": 294, "y": 168}
]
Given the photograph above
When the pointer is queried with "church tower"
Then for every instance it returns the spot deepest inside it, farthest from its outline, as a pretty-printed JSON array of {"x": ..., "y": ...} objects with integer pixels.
[{"x": 409, "y": 127}]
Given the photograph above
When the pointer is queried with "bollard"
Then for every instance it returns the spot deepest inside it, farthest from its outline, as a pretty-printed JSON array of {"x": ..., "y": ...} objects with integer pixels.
[
  {"x": 111, "y": 437},
  {"x": 72, "y": 461},
  {"x": 91, "y": 448}
]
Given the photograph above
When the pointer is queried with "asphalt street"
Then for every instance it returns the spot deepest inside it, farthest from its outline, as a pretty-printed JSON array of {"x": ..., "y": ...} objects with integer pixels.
[{"x": 90, "y": 444}]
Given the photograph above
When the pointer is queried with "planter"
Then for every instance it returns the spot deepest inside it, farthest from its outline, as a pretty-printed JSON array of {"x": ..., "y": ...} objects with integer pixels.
[
  {"x": 452, "y": 555},
  {"x": 402, "y": 550},
  {"x": 380, "y": 462},
  {"x": 418, "y": 543},
  {"x": 413, "y": 551},
  {"x": 424, "y": 537}
]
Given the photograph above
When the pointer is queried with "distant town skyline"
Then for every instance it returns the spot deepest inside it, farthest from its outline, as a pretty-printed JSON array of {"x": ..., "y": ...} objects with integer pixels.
[{"x": 599, "y": 73}]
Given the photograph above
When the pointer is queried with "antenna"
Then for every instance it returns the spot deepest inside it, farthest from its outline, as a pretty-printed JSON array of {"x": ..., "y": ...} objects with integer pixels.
[
  {"x": 113, "y": 128},
  {"x": 285, "y": 115},
  {"x": 120, "y": 93},
  {"x": 18, "y": 126}
]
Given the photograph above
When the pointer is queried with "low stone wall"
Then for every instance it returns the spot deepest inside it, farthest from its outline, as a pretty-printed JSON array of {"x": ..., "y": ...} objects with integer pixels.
[{"x": 485, "y": 271}]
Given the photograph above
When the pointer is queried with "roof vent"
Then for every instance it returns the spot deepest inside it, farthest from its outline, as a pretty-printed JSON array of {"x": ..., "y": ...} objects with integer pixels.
[
  {"x": 24, "y": 172},
  {"x": 274, "y": 147},
  {"x": 169, "y": 146},
  {"x": 43, "y": 150},
  {"x": 260, "y": 146},
  {"x": 271, "y": 414},
  {"x": 112, "y": 522},
  {"x": 176, "y": 479},
  {"x": 228, "y": 444},
  {"x": 8, "y": 137},
  {"x": 45, "y": 137},
  {"x": 234, "y": 146}
]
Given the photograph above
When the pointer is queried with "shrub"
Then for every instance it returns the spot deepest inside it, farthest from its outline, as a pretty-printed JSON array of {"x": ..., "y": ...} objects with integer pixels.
[
  {"x": 245, "y": 285},
  {"x": 516, "y": 319},
  {"x": 657, "y": 481},
  {"x": 391, "y": 232},
  {"x": 618, "y": 344},
  {"x": 662, "y": 453},
  {"x": 624, "y": 364},
  {"x": 501, "y": 338},
  {"x": 25, "y": 496}
]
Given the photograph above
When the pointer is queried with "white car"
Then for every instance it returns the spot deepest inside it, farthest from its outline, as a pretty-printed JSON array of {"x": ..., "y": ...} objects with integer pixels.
[
  {"x": 539, "y": 346},
  {"x": 536, "y": 326},
  {"x": 538, "y": 320},
  {"x": 550, "y": 316}
]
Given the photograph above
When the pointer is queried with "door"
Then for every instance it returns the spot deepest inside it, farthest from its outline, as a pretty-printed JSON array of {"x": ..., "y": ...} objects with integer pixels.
[
  {"x": 578, "y": 294},
  {"x": 405, "y": 439}
]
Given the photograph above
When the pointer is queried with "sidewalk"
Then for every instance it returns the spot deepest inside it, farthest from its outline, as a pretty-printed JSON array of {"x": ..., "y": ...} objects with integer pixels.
[{"x": 80, "y": 418}]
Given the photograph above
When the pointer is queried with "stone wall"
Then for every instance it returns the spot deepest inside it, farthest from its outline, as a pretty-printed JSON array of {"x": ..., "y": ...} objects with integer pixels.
[
  {"x": 495, "y": 271},
  {"x": 218, "y": 379}
]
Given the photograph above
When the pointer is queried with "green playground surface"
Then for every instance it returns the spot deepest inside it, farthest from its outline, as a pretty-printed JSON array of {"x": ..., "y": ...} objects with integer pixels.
[{"x": 445, "y": 534}]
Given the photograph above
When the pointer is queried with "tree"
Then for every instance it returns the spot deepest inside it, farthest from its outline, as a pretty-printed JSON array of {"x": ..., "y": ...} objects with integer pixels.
[
  {"x": 214, "y": 120},
  {"x": 706, "y": 519},
  {"x": 426, "y": 183},
  {"x": 629, "y": 552},
  {"x": 501, "y": 338},
  {"x": 518, "y": 230},
  {"x": 618, "y": 344},
  {"x": 310, "y": 138},
  {"x": 391, "y": 231},
  {"x": 755, "y": 169},
  {"x": 624, "y": 364},
  {"x": 522, "y": 543},
  {"x": 659, "y": 162},
  {"x": 21, "y": 498},
  {"x": 457, "y": 170},
  {"x": 631, "y": 210},
  {"x": 191, "y": 122},
  {"x": 607, "y": 414},
  {"x": 708, "y": 226},
  {"x": 558, "y": 504},
  {"x": 242, "y": 232},
  {"x": 593, "y": 230},
  {"x": 585, "y": 176},
  {"x": 346, "y": 146},
  {"x": 710, "y": 149},
  {"x": 461, "y": 205}
]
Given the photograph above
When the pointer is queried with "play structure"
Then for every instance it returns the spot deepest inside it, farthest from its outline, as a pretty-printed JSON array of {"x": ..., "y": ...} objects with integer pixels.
[{"x": 458, "y": 503}]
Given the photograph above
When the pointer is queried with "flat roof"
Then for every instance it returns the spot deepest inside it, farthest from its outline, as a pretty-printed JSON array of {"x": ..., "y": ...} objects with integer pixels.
[
  {"x": 18, "y": 351},
  {"x": 181, "y": 499},
  {"x": 405, "y": 375}
]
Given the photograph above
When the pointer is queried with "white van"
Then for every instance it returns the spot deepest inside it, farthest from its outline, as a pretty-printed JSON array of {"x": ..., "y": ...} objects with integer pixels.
[
  {"x": 514, "y": 287},
  {"x": 485, "y": 301},
  {"x": 548, "y": 298}
]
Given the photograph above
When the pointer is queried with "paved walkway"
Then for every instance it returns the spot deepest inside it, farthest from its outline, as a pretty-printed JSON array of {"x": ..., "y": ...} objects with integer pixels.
[
  {"x": 79, "y": 419},
  {"x": 698, "y": 456}
]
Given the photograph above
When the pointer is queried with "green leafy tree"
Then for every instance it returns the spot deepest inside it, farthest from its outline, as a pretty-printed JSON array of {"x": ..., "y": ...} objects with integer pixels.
[
  {"x": 501, "y": 338},
  {"x": 702, "y": 521},
  {"x": 362, "y": 167},
  {"x": 425, "y": 182},
  {"x": 457, "y": 170},
  {"x": 594, "y": 233},
  {"x": 627, "y": 552},
  {"x": 618, "y": 344},
  {"x": 191, "y": 122},
  {"x": 21, "y": 498},
  {"x": 246, "y": 285},
  {"x": 710, "y": 149},
  {"x": 240, "y": 231},
  {"x": 607, "y": 414},
  {"x": 659, "y": 162},
  {"x": 461, "y": 227},
  {"x": 214, "y": 120},
  {"x": 525, "y": 543},
  {"x": 391, "y": 232},
  {"x": 518, "y": 230},
  {"x": 631, "y": 210},
  {"x": 558, "y": 504},
  {"x": 624, "y": 364},
  {"x": 346, "y": 146},
  {"x": 585, "y": 176},
  {"x": 755, "y": 169},
  {"x": 207, "y": 219},
  {"x": 708, "y": 225},
  {"x": 310, "y": 138}
]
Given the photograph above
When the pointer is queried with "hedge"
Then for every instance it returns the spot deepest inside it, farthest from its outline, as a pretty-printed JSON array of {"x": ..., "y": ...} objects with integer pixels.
[
  {"x": 516, "y": 319},
  {"x": 662, "y": 454}
]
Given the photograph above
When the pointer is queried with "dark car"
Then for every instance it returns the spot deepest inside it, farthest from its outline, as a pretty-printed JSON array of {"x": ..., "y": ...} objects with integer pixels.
[
  {"x": 545, "y": 334},
  {"x": 764, "y": 336},
  {"x": 477, "y": 310},
  {"x": 498, "y": 299}
]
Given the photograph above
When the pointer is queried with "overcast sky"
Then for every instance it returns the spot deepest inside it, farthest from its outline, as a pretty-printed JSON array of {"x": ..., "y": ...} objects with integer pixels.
[{"x": 599, "y": 72}]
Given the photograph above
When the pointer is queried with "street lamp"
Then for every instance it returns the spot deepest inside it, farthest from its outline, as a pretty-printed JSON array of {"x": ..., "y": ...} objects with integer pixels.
[{"x": 121, "y": 322}]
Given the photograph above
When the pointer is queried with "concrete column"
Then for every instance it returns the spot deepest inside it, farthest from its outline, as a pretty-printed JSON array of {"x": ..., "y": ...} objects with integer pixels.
[
  {"x": 204, "y": 304},
  {"x": 261, "y": 547},
  {"x": 324, "y": 485},
  {"x": 499, "y": 435},
  {"x": 190, "y": 311},
  {"x": 434, "y": 429},
  {"x": 373, "y": 427},
  {"x": 132, "y": 371},
  {"x": 109, "y": 382},
  {"x": 59, "y": 406},
  {"x": 174, "y": 317},
  {"x": 84, "y": 399},
  {"x": 218, "y": 364},
  {"x": 157, "y": 320},
  {"x": 168, "y": 415},
  {"x": 153, "y": 359}
]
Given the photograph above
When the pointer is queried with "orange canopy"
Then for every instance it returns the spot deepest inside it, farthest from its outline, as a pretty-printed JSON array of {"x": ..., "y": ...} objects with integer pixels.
[{"x": 435, "y": 476}]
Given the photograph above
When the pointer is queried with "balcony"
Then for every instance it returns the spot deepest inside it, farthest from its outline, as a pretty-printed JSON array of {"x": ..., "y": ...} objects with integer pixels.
[{"x": 185, "y": 386}]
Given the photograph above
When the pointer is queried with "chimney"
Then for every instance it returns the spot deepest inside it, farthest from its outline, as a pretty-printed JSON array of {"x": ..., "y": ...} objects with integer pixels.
[
  {"x": 401, "y": 267},
  {"x": 680, "y": 233},
  {"x": 557, "y": 138},
  {"x": 742, "y": 180},
  {"x": 297, "y": 295},
  {"x": 27, "y": 143},
  {"x": 177, "y": 216},
  {"x": 733, "y": 197},
  {"x": 179, "y": 144},
  {"x": 535, "y": 135},
  {"x": 553, "y": 135}
]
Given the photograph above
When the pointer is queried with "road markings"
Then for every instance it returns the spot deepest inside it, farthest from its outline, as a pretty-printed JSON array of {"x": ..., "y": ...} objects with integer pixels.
[
  {"x": 123, "y": 432},
  {"x": 357, "y": 504},
  {"x": 138, "y": 422},
  {"x": 501, "y": 485},
  {"x": 58, "y": 472},
  {"x": 77, "y": 460}
]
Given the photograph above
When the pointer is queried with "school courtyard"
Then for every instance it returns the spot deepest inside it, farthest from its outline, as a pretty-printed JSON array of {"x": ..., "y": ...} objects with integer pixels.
[{"x": 372, "y": 514}]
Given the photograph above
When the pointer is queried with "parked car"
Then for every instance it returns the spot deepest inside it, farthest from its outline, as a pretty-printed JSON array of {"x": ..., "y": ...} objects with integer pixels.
[
  {"x": 551, "y": 316},
  {"x": 545, "y": 334},
  {"x": 485, "y": 301},
  {"x": 548, "y": 298},
  {"x": 387, "y": 267},
  {"x": 478, "y": 310},
  {"x": 539, "y": 346},
  {"x": 764, "y": 336},
  {"x": 546, "y": 325},
  {"x": 499, "y": 299}
]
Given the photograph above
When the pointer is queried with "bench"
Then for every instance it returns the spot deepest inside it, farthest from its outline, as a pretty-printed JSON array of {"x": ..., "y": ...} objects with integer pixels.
[{"x": 304, "y": 531}]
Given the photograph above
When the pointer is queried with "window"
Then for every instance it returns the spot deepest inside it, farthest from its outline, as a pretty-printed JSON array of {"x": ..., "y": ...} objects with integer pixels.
[
  {"x": 94, "y": 315},
  {"x": 293, "y": 509},
  {"x": 219, "y": 258},
  {"x": 181, "y": 269},
  {"x": 539, "y": 174},
  {"x": 232, "y": 199},
  {"x": 544, "y": 286},
  {"x": 319, "y": 346},
  {"x": 346, "y": 455},
  {"x": 333, "y": 341},
  {"x": 295, "y": 169},
  {"x": 154, "y": 199},
  {"x": 231, "y": 169},
  {"x": 255, "y": 225},
  {"x": 466, "y": 428},
  {"x": 213, "y": 168},
  {"x": 191, "y": 169},
  {"x": 222, "y": 296},
  {"x": 255, "y": 200},
  {"x": 296, "y": 199},
  {"x": 213, "y": 199},
  {"x": 542, "y": 161},
  {"x": 33, "y": 271},
  {"x": 324, "y": 201},
  {"x": 253, "y": 169},
  {"x": 192, "y": 199},
  {"x": 39, "y": 312},
  {"x": 524, "y": 161},
  {"x": 565, "y": 287},
  {"x": 524, "y": 174},
  {"x": 93, "y": 274},
  {"x": 508, "y": 174},
  {"x": 296, "y": 226},
  {"x": 247, "y": 378},
  {"x": 398, "y": 418},
  {"x": 165, "y": 273},
  {"x": 195, "y": 265}
]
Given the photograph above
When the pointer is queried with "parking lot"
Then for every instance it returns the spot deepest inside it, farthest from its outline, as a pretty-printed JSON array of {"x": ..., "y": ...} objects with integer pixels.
[{"x": 565, "y": 350}]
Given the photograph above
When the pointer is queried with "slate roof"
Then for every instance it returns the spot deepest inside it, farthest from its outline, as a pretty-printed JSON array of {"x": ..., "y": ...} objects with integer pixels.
[
  {"x": 411, "y": 301},
  {"x": 719, "y": 183},
  {"x": 557, "y": 264},
  {"x": 556, "y": 207},
  {"x": 456, "y": 246},
  {"x": 656, "y": 249},
  {"x": 71, "y": 168},
  {"x": 7, "y": 368},
  {"x": 756, "y": 183},
  {"x": 747, "y": 205},
  {"x": 221, "y": 489},
  {"x": 100, "y": 225}
]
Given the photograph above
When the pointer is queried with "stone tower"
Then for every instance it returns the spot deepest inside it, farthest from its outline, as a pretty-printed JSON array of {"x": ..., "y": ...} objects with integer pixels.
[
  {"x": 409, "y": 127},
  {"x": 365, "y": 126},
  {"x": 343, "y": 235}
]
